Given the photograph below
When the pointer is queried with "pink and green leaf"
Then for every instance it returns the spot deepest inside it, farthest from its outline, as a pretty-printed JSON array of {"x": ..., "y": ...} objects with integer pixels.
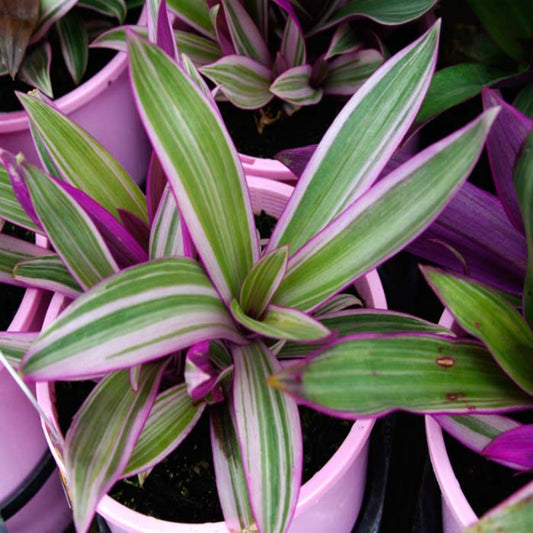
[
  {"x": 35, "y": 70},
  {"x": 195, "y": 13},
  {"x": 83, "y": 161},
  {"x": 140, "y": 314},
  {"x": 358, "y": 144},
  {"x": 171, "y": 419},
  {"x": 294, "y": 86},
  {"x": 378, "y": 225},
  {"x": 262, "y": 282},
  {"x": 371, "y": 374},
  {"x": 100, "y": 440},
  {"x": 74, "y": 44},
  {"x": 339, "y": 302},
  {"x": 243, "y": 81},
  {"x": 112, "y": 8},
  {"x": 201, "y": 164},
  {"x": 490, "y": 318},
  {"x": 14, "y": 344},
  {"x": 49, "y": 13},
  {"x": 292, "y": 46},
  {"x": 344, "y": 40},
  {"x": 268, "y": 428}
]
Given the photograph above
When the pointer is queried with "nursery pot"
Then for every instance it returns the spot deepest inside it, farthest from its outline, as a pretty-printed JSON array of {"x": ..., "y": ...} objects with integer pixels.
[
  {"x": 331, "y": 499},
  {"x": 23, "y": 449},
  {"x": 104, "y": 107}
]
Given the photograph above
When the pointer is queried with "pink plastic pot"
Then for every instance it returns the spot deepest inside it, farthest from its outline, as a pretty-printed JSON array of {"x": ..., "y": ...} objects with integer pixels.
[
  {"x": 331, "y": 499},
  {"x": 457, "y": 513},
  {"x": 103, "y": 106},
  {"x": 23, "y": 444}
]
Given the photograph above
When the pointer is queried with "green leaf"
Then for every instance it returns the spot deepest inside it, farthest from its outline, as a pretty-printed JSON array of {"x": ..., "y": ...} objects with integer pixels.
[
  {"x": 193, "y": 12},
  {"x": 202, "y": 166},
  {"x": 524, "y": 101},
  {"x": 201, "y": 50},
  {"x": 74, "y": 44},
  {"x": 166, "y": 238},
  {"x": 378, "y": 224},
  {"x": 282, "y": 323},
  {"x": 456, "y": 84},
  {"x": 113, "y": 8},
  {"x": 170, "y": 421},
  {"x": 13, "y": 251},
  {"x": 84, "y": 252},
  {"x": 14, "y": 344},
  {"x": 523, "y": 183},
  {"x": 367, "y": 375},
  {"x": 100, "y": 440},
  {"x": 294, "y": 86},
  {"x": 491, "y": 319},
  {"x": 139, "y": 314},
  {"x": 35, "y": 70},
  {"x": 358, "y": 144},
  {"x": 83, "y": 161},
  {"x": 268, "y": 427},
  {"x": 262, "y": 282},
  {"x": 50, "y": 11},
  {"x": 48, "y": 273}
]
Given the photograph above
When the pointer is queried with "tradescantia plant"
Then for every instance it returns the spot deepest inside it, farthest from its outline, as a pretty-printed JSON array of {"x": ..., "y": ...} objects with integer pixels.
[
  {"x": 295, "y": 51},
  {"x": 153, "y": 283},
  {"x": 26, "y": 26}
]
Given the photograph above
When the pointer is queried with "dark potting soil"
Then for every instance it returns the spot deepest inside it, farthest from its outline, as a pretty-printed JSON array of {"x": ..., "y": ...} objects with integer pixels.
[
  {"x": 182, "y": 487},
  {"x": 484, "y": 482}
]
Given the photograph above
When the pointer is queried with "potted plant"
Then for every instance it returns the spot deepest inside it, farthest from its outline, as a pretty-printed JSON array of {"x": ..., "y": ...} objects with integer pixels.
[
  {"x": 32, "y": 23},
  {"x": 226, "y": 306}
]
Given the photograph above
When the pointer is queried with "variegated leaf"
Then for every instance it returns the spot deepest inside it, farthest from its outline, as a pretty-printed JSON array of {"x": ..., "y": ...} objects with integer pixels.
[
  {"x": 268, "y": 428},
  {"x": 262, "y": 282},
  {"x": 195, "y": 13},
  {"x": 74, "y": 44},
  {"x": 49, "y": 13},
  {"x": 294, "y": 86},
  {"x": 83, "y": 161},
  {"x": 171, "y": 419},
  {"x": 201, "y": 164},
  {"x": 344, "y": 40},
  {"x": 14, "y": 344},
  {"x": 282, "y": 323},
  {"x": 339, "y": 302},
  {"x": 370, "y": 374},
  {"x": 139, "y": 314},
  {"x": 166, "y": 239},
  {"x": 491, "y": 319},
  {"x": 112, "y": 8},
  {"x": 202, "y": 51},
  {"x": 378, "y": 224},
  {"x": 35, "y": 70},
  {"x": 100, "y": 440},
  {"x": 293, "y": 44},
  {"x": 347, "y": 72},
  {"x": 358, "y": 144},
  {"x": 243, "y": 81},
  {"x": 48, "y": 273}
]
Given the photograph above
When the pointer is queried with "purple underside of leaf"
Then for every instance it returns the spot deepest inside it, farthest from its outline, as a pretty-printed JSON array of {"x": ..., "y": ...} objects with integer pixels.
[
  {"x": 200, "y": 376},
  {"x": 475, "y": 225},
  {"x": 503, "y": 144},
  {"x": 137, "y": 228},
  {"x": 20, "y": 189},
  {"x": 514, "y": 446},
  {"x": 287, "y": 6},
  {"x": 165, "y": 36},
  {"x": 155, "y": 185}
]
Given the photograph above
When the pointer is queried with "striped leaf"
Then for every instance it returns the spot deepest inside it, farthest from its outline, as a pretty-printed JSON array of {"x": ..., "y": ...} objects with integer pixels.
[
  {"x": 139, "y": 314},
  {"x": 294, "y": 86},
  {"x": 245, "y": 35},
  {"x": 491, "y": 319},
  {"x": 358, "y": 144},
  {"x": 10, "y": 208},
  {"x": 49, "y": 13},
  {"x": 282, "y": 323},
  {"x": 202, "y": 51},
  {"x": 74, "y": 44},
  {"x": 83, "y": 161},
  {"x": 523, "y": 183},
  {"x": 478, "y": 431},
  {"x": 166, "y": 239},
  {"x": 170, "y": 421},
  {"x": 292, "y": 46},
  {"x": 268, "y": 428},
  {"x": 258, "y": 10},
  {"x": 49, "y": 273},
  {"x": 201, "y": 164},
  {"x": 347, "y": 72},
  {"x": 262, "y": 282},
  {"x": 229, "y": 472},
  {"x": 243, "y": 81},
  {"x": 84, "y": 252},
  {"x": 339, "y": 302},
  {"x": 378, "y": 224},
  {"x": 344, "y": 40},
  {"x": 386, "y": 12},
  {"x": 35, "y": 70},
  {"x": 13, "y": 251},
  {"x": 367, "y": 375},
  {"x": 101, "y": 440},
  {"x": 195, "y": 13},
  {"x": 112, "y": 8},
  {"x": 14, "y": 344}
]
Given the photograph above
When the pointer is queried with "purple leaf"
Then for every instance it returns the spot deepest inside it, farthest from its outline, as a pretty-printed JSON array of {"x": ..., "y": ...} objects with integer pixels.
[
  {"x": 155, "y": 185},
  {"x": 138, "y": 228},
  {"x": 200, "y": 376},
  {"x": 503, "y": 143},
  {"x": 474, "y": 223},
  {"x": 165, "y": 36},
  {"x": 513, "y": 446}
]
